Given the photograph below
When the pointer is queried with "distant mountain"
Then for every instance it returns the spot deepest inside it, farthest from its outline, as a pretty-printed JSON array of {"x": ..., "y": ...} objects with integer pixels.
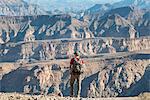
[
  {"x": 95, "y": 11},
  {"x": 136, "y": 3},
  {"x": 113, "y": 26},
  {"x": 143, "y": 25},
  {"x": 101, "y": 8},
  {"x": 98, "y": 8},
  {"x": 78, "y": 5},
  {"x": 121, "y": 22},
  {"x": 128, "y": 12},
  {"x": 19, "y": 8},
  {"x": 63, "y": 5},
  {"x": 126, "y": 6}
]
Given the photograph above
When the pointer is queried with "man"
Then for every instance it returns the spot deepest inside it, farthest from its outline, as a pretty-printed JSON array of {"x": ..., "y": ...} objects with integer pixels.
[{"x": 76, "y": 71}]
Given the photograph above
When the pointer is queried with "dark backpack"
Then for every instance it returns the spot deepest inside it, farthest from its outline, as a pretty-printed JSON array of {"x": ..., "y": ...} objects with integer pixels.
[{"x": 77, "y": 67}]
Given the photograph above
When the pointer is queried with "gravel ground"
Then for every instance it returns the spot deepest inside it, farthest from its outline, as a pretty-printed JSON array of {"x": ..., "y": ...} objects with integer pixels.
[{"x": 16, "y": 96}]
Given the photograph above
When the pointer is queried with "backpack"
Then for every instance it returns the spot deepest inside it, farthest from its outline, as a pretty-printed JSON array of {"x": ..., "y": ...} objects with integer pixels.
[{"x": 77, "y": 67}]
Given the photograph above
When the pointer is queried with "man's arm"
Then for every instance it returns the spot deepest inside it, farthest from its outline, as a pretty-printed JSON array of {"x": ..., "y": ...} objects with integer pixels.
[
  {"x": 70, "y": 68},
  {"x": 71, "y": 63},
  {"x": 83, "y": 64}
]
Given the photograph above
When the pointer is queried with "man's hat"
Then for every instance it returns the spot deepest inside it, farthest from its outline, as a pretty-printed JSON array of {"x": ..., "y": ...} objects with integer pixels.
[{"x": 77, "y": 53}]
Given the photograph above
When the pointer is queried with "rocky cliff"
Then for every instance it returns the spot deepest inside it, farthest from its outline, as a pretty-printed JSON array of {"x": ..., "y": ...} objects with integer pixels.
[
  {"x": 108, "y": 77},
  {"x": 63, "y": 49},
  {"x": 114, "y": 23},
  {"x": 41, "y": 27}
]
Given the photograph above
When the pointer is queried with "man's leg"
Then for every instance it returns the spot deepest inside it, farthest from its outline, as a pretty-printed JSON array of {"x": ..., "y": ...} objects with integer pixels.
[
  {"x": 72, "y": 79},
  {"x": 78, "y": 86}
]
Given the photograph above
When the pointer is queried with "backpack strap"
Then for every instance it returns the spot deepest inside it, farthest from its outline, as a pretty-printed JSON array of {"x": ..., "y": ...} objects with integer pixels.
[{"x": 75, "y": 59}]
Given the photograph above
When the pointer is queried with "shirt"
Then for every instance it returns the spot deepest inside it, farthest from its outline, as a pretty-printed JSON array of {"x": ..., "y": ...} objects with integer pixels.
[{"x": 72, "y": 60}]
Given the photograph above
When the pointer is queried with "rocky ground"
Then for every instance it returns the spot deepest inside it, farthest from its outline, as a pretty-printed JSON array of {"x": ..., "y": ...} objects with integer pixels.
[
  {"x": 15, "y": 96},
  {"x": 114, "y": 76}
]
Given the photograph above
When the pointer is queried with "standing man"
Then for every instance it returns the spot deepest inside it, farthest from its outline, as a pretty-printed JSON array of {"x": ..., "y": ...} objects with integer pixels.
[{"x": 76, "y": 66}]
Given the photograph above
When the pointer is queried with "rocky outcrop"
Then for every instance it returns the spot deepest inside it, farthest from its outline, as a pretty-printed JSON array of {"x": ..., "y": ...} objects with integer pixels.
[
  {"x": 114, "y": 23},
  {"x": 120, "y": 22},
  {"x": 106, "y": 78},
  {"x": 42, "y": 27},
  {"x": 59, "y": 49}
]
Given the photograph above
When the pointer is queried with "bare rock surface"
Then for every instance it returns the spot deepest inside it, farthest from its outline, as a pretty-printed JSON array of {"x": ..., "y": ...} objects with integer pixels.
[
  {"x": 15, "y": 96},
  {"x": 132, "y": 24},
  {"x": 63, "y": 49},
  {"x": 107, "y": 78}
]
